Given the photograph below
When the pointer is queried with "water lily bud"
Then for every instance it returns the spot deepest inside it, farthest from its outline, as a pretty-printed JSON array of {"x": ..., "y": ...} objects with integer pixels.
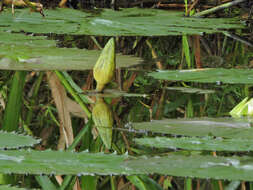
[
  {"x": 103, "y": 119},
  {"x": 104, "y": 68}
]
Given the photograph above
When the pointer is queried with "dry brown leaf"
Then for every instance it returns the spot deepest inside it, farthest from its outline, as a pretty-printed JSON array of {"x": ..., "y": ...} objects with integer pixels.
[
  {"x": 60, "y": 98},
  {"x": 75, "y": 109}
]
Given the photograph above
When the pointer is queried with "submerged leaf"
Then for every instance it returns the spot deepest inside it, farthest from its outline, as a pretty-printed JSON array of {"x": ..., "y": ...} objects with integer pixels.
[{"x": 103, "y": 119}]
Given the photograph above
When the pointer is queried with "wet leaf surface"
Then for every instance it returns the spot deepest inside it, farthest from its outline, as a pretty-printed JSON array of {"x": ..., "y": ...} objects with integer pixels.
[
  {"x": 107, "y": 22},
  {"x": 60, "y": 162},
  {"x": 21, "y": 52}
]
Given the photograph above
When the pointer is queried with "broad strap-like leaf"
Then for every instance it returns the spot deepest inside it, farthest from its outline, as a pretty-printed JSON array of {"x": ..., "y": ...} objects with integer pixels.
[
  {"x": 60, "y": 163},
  {"x": 107, "y": 22}
]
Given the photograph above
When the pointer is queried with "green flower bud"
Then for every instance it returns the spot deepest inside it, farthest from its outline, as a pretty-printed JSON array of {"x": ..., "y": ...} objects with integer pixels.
[{"x": 104, "y": 68}]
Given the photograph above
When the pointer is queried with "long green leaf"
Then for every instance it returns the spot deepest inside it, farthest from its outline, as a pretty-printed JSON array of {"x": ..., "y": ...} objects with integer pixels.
[
  {"x": 186, "y": 50},
  {"x": 107, "y": 22},
  {"x": 14, "y": 104},
  {"x": 45, "y": 183},
  {"x": 143, "y": 182},
  {"x": 89, "y": 182},
  {"x": 60, "y": 163},
  {"x": 53, "y": 58}
]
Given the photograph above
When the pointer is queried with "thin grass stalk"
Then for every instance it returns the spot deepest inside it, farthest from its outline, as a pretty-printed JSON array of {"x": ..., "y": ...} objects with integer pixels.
[
  {"x": 33, "y": 101},
  {"x": 188, "y": 184},
  {"x": 79, "y": 136},
  {"x": 186, "y": 6},
  {"x": 186, "y": 50},
  {"x": 220, "y": 7},
  {"x": 233, "y": 185},
  {"x": 78, "y": 90},
  {"x": 112, "y": 180},
  {"x": 46, "y": 183}
]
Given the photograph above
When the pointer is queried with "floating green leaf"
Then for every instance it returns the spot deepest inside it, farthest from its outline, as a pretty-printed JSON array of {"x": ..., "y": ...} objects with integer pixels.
[
  {"x": 13, "y": 39},
  {"x": 107, "y": 22},
  {"x": 210, "y": 75},
  {"x": 52, "y": 58},
  {"x": 60, "y": 162},
  {"x": 12, "y": 140},
  {"x": 219, "y": 127},
  {"x": 24, "y": 52},
  {"x": 194, "y": 143}
]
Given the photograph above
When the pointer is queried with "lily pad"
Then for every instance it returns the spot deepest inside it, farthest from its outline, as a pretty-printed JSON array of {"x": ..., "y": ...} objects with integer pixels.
[
  {"x": 107, "y": 22},
  {"x": 196, "y": 143},
  {"x": 210, "y": 75},
  {"x": 218, "y": 127}
]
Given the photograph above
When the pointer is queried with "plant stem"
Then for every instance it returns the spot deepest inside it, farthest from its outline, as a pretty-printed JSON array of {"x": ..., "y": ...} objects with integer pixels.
[
  {"x": 79, "y": 136},
  {"x": 220, "y": 7},
  {"x": 73, "y": 93}
]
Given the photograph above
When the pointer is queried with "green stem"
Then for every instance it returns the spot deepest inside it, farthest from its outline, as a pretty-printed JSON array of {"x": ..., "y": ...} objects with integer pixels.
[
  {"x": 214, "y": 9},
  {"x": 35, "y": 93},
  {"x": 112, "y": 183},
  {"x": 73, "y": 93},
  {"x": 66, "y": 181},
  {"x": 79, "y": 136},
  {"x": 14, "y": 104}
]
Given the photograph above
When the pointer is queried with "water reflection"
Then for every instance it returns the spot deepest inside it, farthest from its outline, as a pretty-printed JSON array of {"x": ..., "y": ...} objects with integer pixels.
[{"x": 103, "y": 119}]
